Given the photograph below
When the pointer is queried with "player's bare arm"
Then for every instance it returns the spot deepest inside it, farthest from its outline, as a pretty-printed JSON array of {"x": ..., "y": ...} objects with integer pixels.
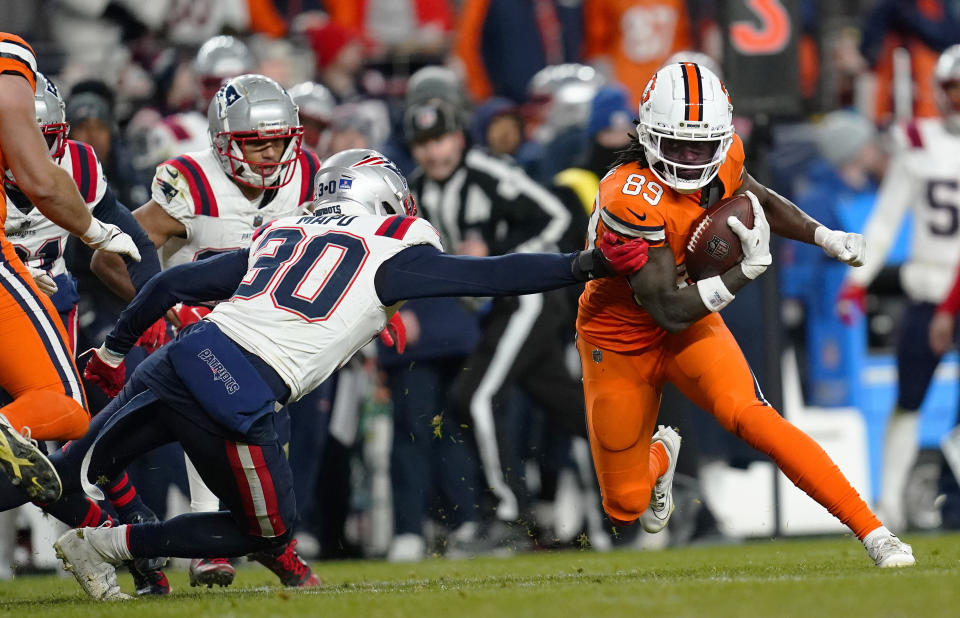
[
  {"x": 112, "y": 271},
  {"x": 49, "y": 187},
  {"x": 788, "y": 221},
  {"x": 785, "y": 218},
  {"x": 159, "y": 225},
  {"x": 655, "y": 289}
]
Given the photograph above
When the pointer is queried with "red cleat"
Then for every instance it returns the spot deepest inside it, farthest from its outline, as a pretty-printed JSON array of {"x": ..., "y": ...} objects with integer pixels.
[
  {"x": 211, "y": 572},
  {"x": 292, "y": 570}
]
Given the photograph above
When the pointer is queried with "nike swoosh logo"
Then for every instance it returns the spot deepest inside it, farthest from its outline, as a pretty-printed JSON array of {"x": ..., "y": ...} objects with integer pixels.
[
  {"x": 173, "y": 173},
  {"x": 639, "y": 218}
]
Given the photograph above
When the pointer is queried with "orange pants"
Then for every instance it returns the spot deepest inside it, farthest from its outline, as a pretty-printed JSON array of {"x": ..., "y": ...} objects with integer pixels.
[
  {"x": 36, "y": 362},
  {"x": 622, "y": 392}
]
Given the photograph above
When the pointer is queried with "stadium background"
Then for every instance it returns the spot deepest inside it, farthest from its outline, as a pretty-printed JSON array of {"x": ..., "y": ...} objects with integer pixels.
[{"x": 129, "y": 69}]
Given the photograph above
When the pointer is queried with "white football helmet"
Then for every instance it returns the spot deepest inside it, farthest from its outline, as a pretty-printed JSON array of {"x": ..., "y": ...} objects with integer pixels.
[
  {"x": 362, "y": 181},
  {"x": 947, "y": 73},
  {"x": 685, "y": 125}
]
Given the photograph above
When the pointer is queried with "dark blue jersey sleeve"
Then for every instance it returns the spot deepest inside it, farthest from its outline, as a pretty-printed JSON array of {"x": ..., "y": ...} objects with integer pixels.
[
  {"x": 215, "y": 278},
  {"x": 424, "y": 271},
  {"x": 109, "y": 210}
]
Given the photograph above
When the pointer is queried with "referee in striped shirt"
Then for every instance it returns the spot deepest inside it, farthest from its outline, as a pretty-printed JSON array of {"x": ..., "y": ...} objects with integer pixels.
[{"x": 482, "y": 206}]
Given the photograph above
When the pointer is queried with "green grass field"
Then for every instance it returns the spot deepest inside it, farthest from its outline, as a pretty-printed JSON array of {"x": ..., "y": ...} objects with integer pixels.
[{"x": 823, "y": 577}]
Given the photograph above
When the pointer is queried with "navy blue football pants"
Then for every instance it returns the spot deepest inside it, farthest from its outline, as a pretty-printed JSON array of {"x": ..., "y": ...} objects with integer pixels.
[{"x": 253, "y": 481}]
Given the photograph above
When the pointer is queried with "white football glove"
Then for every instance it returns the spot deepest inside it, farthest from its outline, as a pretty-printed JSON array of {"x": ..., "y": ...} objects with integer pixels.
[
  {"x": 43, "y": 280},
  {"x": 755, "y": 241},
  {"x": 847, "y": 247},
  {"x": 108, "y": 237}
]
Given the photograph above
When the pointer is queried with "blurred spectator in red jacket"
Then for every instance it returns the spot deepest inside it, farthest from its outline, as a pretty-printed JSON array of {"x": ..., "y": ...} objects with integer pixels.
[{"x": 340, "y": 55}]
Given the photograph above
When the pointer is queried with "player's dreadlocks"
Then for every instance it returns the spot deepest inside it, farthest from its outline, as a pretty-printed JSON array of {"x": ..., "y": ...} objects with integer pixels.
[{"x": 633, "y": 152}]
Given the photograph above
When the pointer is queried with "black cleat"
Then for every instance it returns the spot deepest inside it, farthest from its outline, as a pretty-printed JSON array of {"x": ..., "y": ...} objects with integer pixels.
[{"x": 26, "y": 466}]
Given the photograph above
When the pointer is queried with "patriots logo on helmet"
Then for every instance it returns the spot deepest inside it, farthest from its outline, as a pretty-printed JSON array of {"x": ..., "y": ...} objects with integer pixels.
[
  {"x": 52, "y": 89},
  {"x": 231, "y": 95},
  {"x": 387, "y": 163}
]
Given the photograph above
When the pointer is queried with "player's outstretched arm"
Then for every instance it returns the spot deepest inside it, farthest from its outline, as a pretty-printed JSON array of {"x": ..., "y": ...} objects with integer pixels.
[
  {"x": 424, "y": 271},
  {"x": 788, "y": 221},
  {"x": 674, "y": 309},
  {"x": 215, "y": 278}
]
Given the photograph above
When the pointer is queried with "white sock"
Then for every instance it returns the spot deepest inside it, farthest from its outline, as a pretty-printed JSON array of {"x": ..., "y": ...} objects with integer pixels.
[
  {"x": 111, "y": 543},
  {"x": 878, "y": 533},
  {"x": 899, "y": 453}
]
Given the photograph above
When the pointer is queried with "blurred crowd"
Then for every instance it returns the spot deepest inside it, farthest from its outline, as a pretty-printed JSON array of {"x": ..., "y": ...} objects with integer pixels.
[{"x": 391, "y": 457}]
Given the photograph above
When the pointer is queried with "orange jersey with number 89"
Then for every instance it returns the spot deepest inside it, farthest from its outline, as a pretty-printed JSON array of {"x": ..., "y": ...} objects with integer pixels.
[{"x": 632, "y": 202}]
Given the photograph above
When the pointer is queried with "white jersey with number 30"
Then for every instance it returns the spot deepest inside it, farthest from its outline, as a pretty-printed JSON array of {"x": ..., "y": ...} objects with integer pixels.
[{"x": 308, "y": 301}]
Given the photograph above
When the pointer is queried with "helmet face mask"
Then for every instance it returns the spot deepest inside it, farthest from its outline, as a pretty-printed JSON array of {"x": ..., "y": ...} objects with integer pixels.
[
  {"x": 246, "y": 111},
  {"x": 685, "y": 126},
  {"x": 362, "y": 181},
  {"x": 51, "y": 116}
]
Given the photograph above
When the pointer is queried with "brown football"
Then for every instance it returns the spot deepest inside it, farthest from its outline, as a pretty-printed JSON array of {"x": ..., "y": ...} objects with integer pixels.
[{"x": 713, "y": 248}]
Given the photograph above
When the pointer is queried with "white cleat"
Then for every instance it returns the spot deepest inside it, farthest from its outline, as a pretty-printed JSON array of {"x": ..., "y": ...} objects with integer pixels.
[
  {"x": 91, "y": 569},
  {"x": 655, "y": 518},
  {"x": 888, "y": 551}
]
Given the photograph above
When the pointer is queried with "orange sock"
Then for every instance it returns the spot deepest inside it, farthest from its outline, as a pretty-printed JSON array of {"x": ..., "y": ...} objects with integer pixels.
[
  {"x": 659, "y": 462},
  {"x": 806, "y": 464}
]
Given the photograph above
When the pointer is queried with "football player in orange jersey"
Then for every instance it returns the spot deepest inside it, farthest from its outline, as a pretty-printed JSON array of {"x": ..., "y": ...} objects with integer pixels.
[
  {"x": 636, "y": 333},
  {"x": 36, "y": 365}
]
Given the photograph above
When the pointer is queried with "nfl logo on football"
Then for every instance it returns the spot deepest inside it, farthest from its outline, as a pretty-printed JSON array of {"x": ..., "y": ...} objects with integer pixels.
[{"x": 718, "y": 248}]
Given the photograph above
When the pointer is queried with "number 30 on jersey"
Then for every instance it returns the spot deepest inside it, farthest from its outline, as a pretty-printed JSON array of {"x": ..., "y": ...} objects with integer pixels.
[{"x": 637, "y": 184}]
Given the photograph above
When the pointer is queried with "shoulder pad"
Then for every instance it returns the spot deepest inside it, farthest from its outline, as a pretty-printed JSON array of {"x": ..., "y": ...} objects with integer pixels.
[
  {"x": 309, "y": 165},
  {"x": 17, "y": 58},
  {"x": 410, "y": 230},
  {"x": 182, "y": 188},
  {"x": 86, "y": 171}
]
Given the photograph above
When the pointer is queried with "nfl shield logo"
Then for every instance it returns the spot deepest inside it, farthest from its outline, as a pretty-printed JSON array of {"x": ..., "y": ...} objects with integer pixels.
[
  {"x": 426, "y": 118},
  {"x": 718, "y": 248},
  {"x": 257, "y": 220}
]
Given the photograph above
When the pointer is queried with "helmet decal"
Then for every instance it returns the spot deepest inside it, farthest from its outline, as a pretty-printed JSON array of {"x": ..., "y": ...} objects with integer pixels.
[
  {"x": 363, "y": 180},
  {"x": 646, "y": 91}
]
